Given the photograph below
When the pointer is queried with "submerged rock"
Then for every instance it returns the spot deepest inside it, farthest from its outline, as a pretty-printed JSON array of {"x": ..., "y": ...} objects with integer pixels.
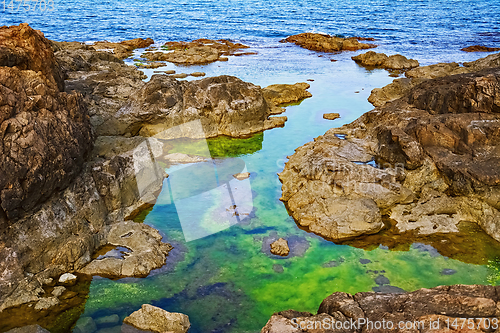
[
  {"x": 28, "y": 329},
  {"x": 280, "y": 247},
  {"x": 327, "y": 43},
  {"x": 242, "y": 175},
  {"x": 424, "y": 306},
  {"x": 154, "y": 319},
  {"x": 397, "y": 61}
]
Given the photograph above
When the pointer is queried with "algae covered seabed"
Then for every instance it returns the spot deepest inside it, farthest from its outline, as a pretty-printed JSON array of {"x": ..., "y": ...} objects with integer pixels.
[{"x": 229, "y": 281}]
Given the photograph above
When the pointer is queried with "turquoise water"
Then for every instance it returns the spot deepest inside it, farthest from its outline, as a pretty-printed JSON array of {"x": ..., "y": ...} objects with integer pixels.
[{"x": 228, "y": 281}]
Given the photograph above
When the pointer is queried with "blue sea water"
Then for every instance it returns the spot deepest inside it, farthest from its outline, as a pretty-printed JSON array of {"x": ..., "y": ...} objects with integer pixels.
[{"x": 226, "y": 282}]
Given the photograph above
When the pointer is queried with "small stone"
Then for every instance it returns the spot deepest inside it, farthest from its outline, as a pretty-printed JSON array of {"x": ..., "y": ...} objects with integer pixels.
[
  {"x": 58, "y": 291},
  {"x": 223, "y": 59},
  {"x": 365, "y": 261},
  {"x": 280, "y": 247},
  {"x": 198, "y": 74},
  {"x": 331, "y": 116},
  {"x": 242, "y": 175},
  {"x": 381, "y": 280},
  {"x": 108, "y": 320},
  {"x": 180, "y": 76},
  {"x": 68, "y": 279},
  {"x": 170, "y": 71},
  {"x": 155, "y": 319}
]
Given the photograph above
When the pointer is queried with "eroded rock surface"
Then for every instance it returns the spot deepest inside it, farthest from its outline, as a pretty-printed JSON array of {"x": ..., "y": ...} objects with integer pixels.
[
  {"x": 280, "y": 247},
  {"x": 437, "y": 149},
  {"x": 399, "y": 87},
  {"x": 123, "y": 49},
  {"x": 396, "y": 61},
  {"x": 422, "y": 306},
  {"x": 327, "y": 43},
  {"x": 147, "y": 252}
]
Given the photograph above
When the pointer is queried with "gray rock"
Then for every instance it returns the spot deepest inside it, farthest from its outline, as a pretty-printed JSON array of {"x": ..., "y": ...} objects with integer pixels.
[
  {"x": 107, "y": 320},
  {"x": 85, "y": 325},
  {"x": 448, "y": 271},
  {"x": 46, "y": 303},
  {"x": 58, "y": 291},
  {"x": 28, "y": 329},
  {"x": 381, "y": 280}
]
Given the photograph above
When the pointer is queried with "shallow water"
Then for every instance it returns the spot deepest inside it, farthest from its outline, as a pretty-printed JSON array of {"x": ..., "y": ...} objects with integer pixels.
[{"x": 228, "y": 281}]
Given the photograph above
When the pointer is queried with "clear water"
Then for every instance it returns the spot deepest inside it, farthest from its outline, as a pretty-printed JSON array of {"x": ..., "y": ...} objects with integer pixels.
[{"x": 228, "y": 282}]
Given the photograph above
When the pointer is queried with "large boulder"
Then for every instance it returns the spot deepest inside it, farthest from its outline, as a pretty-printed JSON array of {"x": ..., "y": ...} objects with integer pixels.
[
  {"x": 327, "y": 43},
  {"x": 46, "y": 134},
  {"x": 396, "y": 61},
  {"x": 152, "y": 318},
  {"x": 437, "y": 154},
  {"x": 224, "y": 105}
]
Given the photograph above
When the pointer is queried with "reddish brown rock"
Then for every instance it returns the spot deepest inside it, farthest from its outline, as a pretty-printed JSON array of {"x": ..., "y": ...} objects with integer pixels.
[
  {"x": 480, "y": 48},
  {"x": 396, "y": 62},
  {"x": 327, "y": 43}
]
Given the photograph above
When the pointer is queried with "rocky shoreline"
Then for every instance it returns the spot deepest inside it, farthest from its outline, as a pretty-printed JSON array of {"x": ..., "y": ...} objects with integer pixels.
[{"x": 84, "y": 139}]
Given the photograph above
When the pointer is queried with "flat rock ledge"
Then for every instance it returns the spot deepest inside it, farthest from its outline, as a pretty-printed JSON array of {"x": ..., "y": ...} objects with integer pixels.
[
  {"x": 427, "y": 161},
  {"x": 395, "y": 62},
  {"x": 327, "y": 43},
  {"x": 429, "y": 310},
  {"x": 147, "y": 252},
  {"x": 154, "y": 319}
]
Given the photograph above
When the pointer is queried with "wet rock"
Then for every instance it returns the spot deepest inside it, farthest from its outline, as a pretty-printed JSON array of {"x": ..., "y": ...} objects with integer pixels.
[
  {"x": 480, "y": 48},
  {"x": 331, "y": 116},
  {"x": 197, "y": 74},
  {"x": 327, "y": 43},
  {"x": 151, "y": 65},
  {"x": 387, "y": 289},
  {"x": 147, "y": 252},
  {"x": 123, "y": 49},
  {"x": 179, "y": 76},
  {"x": 28, "y": 329},
  {"x": 242, "y": 175},
  {"x": 280, "y": 247},
  {"x": 364, "y": 261},
  {"x": 68, "y": 279},
  {"x": 381, "y": 280},
  {"x": 397, "y": 61},
  {"x": 392, "y": 91},
  {"x": 200, "y": 51},
  {"x": 154, "y": 319}
]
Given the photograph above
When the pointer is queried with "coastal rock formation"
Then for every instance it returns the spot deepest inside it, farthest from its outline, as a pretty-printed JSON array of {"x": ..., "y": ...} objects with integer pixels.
[
  {"x": 147, "y": 252},
  {"x": 327, "y": 43},
  {"x": 152, "y": 318},
  {"x": 480, "y": 48},
  {"x": 123, "y": 49},
  {"x": 437, "y": 155},
  {"x": 475, "y": 303},
  {"x": 279, "y": 94},
  {"x": 397, "y": 61},
  {"x": 415, "y": 76},
  {"x": 33, "y": 110},
  {"x": 200, "y": 51},
  {"x": 224, "y": 105},
  {"x": 280, "y": 247}
]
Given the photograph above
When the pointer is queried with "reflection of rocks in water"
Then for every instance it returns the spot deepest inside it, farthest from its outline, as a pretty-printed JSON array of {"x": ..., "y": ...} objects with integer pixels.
[
  {"x": 67, "y": 303},
  {"x": 471, "y": 245},
  {"x": 448, "y": 271},
  {"x": 297, "y": 245}
]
